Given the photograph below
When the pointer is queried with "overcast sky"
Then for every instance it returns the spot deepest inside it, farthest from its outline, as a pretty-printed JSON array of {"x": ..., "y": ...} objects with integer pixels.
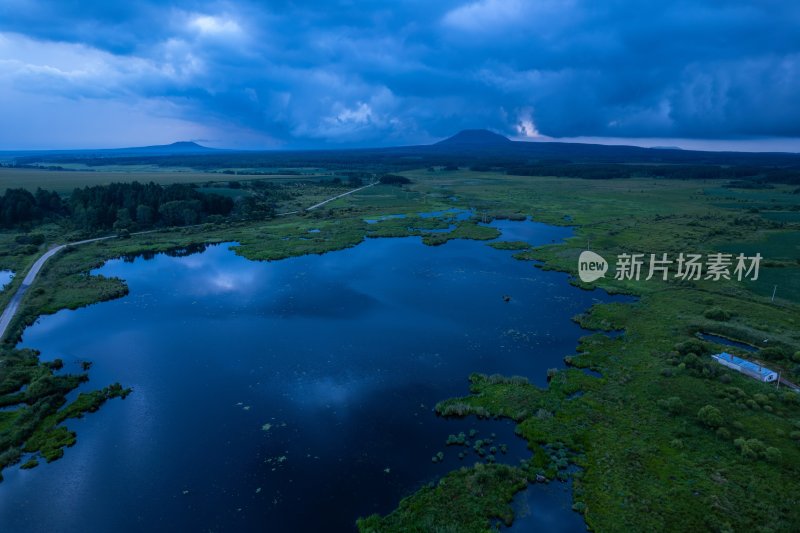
[{"x": 699, "y": 73}]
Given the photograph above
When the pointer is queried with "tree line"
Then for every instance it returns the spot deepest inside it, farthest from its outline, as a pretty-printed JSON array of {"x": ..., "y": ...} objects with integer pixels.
[
  {"x": 119, "y": 206},
  {"x": 744, "y": 174}
]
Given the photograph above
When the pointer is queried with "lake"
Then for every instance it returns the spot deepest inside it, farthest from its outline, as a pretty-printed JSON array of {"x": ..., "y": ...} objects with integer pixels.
[
  {"x": 5, "y": 278},
  {"x": 290, "y": 395}
]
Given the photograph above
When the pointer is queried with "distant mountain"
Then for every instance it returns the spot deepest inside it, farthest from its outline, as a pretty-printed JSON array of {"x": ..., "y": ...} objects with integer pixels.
[
  {"x": 474, "y": 148},
  {"x": 180, "y": 147},
  {"x": 475, "y": 138},
  {"x": 476, "y": 145},
  {"x": 176, "y": 148}
]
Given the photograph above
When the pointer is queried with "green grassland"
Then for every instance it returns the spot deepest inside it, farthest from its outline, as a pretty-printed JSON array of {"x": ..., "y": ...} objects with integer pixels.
[{"x": 652, "y": 455}]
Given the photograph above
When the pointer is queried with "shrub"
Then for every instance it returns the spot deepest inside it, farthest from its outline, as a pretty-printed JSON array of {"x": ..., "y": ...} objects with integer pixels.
[
  {"x": 736, "y": 391},
  {"x": 673, "y": 404},
  {"x": 772, "y": 454},
  {"x": 456, "y": 440},
  {"x": 717, "y": 313},
  {"x": 750, "y": 448},
  {"x": 761, "y": 398},
  {"x": 393, "y": 179},
  {"x": 691, "y": 346},
  {"x": 710, "y": 416},
  {"x": 773, "y": 353},
  {"x": 462, "y": 409},
  {"x": 35, "y": 239}
]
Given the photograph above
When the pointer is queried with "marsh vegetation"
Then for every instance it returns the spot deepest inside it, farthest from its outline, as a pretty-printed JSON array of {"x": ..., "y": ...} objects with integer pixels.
[{"x": 641, "y": 428}]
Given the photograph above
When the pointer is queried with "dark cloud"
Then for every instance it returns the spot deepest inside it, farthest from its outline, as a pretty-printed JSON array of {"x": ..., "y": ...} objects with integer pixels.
[{"x": 328, "y": 73}]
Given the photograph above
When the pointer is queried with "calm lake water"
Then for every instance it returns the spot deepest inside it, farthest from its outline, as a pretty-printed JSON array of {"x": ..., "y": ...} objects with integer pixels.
[
  {"x": 5, "y": 278},
  {"x": 293, "y": 395}
]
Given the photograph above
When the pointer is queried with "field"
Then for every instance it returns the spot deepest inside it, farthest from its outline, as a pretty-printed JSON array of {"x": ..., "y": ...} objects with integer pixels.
[
  {"x": 64, "y": 182},
  {"x": 665, "y": 439}
]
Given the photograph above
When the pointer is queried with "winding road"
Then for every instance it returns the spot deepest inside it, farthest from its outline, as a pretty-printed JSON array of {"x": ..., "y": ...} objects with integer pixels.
[
  {"x": 13, "y": 305},
  {"x": 326, "y": 201}
]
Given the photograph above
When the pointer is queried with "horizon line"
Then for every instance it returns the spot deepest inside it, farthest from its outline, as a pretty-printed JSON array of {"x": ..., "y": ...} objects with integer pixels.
[{"x": 648, "y": 143}]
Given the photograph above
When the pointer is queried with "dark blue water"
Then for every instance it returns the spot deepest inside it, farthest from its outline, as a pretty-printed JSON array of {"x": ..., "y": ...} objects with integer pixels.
[
  {"x": 5, "y": 278},
  {"x": 546, "y": 507},
  {"x": 293, "y": 395},
  {"x": 726, "y": 342},
  {"x": 455, "y": 213},
  {"x": 535, "y": 233}
]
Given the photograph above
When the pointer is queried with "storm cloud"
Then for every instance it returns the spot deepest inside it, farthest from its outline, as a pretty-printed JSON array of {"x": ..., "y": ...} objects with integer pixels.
[{"x": 322, "y": 74}]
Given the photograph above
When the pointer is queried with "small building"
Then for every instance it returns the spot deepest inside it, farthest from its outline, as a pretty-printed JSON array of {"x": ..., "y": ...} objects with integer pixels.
[{"x": 749, "y": 368}]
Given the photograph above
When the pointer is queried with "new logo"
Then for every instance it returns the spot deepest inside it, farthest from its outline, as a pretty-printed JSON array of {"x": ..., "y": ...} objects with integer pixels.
[{"x": 591, "y": 266}]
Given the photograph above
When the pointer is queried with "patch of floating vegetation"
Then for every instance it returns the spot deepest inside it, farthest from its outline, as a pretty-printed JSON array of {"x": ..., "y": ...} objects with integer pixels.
[
  {"x": 463, "y": 230},
  {"x": 269, "y": 425},
  {"x": 484, "y": 448},
  {"x": 276, "y": 462}
]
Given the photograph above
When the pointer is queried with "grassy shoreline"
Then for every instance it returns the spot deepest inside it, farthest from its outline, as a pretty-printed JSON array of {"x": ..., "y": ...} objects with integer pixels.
[
  {"x": 33, "y": 430},
  {"x": 649, "y": 458}
]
